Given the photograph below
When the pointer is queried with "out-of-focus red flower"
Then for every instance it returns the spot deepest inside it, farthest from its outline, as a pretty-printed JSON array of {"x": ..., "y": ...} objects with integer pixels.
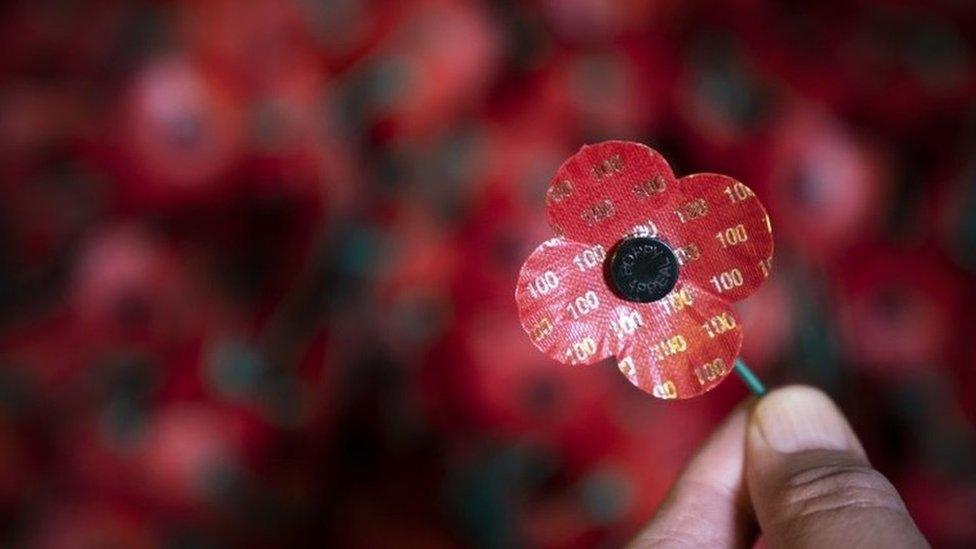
[
  {"x": 410, "y": 290},
  {"x": 619, "y": 92},
  {"x": 513, "y": 389},
  {"x": 180, "y": 131},
  {"x": 616, "y": 492},
  {"x": 191, "y": 455},
  {"x": 726, "y": 102},
  {"x": 823, "y": 184},
  {"x": 711, "y": 225},
  {"x": 438, "y": 62},
  {"x": 904, "y": 66},
  {"x": 277, "y": 38},
  {"x": 899, "y": 65},
  {"x": 130, "y": 288},
  {"x": 899, "y": 309},
  {"x": 770, "y": 313}
]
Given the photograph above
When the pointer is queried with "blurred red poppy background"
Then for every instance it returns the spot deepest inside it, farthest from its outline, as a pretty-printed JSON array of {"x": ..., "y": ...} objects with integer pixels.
[{"x": 257, "y": 259}]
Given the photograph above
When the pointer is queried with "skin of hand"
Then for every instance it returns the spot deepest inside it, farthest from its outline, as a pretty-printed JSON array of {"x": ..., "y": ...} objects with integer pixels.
[{"x": 787, "y": 466}]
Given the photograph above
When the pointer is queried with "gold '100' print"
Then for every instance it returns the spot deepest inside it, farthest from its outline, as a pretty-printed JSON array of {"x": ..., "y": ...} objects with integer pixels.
[
  {"x": 669, "y": 347},
  {"x": 543, "y": 284},
  {"x": 583, "y": 305},
  {"x": 648, "y": 228},
  {"x": 732, "y": 236},
  {"x": 665, "y": 390},
  {"x": 738, "y": 192},
  {"x": 608, "y": 167},
  {"x": 541, "y": 329},
  {"x": 646, "y": 189},
  {"x": 719, "y": 324},
  {"x": 582, "y": 349},
  {"x": 627, "y": 323},
  {"x": 626, "y": 366},
  {"x": 559, "y": 191},
  {"x": 590, "y": 258},
  {"x": 692, "y": 210},
  {"x": 675, "y": 301},
  {"x": 687, "y": 254},
  {"x": 728, "y": 280},
  {"x": 597, "y": 213},
  {"x": 710, "y": 371}
]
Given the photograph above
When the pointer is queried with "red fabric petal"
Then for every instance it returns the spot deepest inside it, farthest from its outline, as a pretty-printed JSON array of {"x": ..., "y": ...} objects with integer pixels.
[
  {"x": 610, "y": 190},
  {"x": 724, "y": 234},
  {"x": 686, "y": 347},
  {"x": 565, "y": 306}
]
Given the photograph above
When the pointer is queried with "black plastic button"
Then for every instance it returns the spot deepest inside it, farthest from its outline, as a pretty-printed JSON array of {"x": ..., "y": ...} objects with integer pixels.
[{"x": 642, "y": 269}]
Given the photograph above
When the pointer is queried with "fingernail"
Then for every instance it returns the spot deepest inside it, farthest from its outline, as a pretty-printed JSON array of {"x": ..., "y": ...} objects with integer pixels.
[{"x": 793, "y": 419}]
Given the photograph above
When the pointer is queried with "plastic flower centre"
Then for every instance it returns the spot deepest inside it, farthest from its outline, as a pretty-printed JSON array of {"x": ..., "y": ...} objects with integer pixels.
[{"x": 642, "y": 269}]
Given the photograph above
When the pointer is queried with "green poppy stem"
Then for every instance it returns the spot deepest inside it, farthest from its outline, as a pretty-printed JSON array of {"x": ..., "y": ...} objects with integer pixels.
[{"x": 749, "y": 378}]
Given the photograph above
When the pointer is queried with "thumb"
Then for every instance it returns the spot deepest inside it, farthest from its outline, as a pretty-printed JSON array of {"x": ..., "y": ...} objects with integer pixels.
[{"x": 810, "y": 482}]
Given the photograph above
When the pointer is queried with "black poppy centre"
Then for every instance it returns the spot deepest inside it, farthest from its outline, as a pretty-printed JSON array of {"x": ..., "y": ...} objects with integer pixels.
[{"x": 642, "y": 269}]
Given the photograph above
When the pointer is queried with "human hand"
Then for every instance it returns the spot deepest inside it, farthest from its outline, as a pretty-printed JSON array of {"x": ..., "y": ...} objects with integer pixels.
[{"x": 788, "y": 466}]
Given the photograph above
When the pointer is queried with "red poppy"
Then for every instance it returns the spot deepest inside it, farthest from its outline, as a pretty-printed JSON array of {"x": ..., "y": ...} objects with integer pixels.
[{"x": 645, "y": 268}]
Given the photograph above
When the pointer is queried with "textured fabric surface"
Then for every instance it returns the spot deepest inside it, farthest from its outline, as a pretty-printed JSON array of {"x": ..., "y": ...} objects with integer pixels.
[{"x": 682, "y": 345}]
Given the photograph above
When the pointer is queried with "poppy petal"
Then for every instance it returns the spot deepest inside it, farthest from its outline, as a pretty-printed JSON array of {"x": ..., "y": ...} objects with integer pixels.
[
  {"x": 564, "y": 304},
  {"x": 610, "y": 190},
  {"x": 724, "y": 234},
  {"x": 687, "y": 347}
]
